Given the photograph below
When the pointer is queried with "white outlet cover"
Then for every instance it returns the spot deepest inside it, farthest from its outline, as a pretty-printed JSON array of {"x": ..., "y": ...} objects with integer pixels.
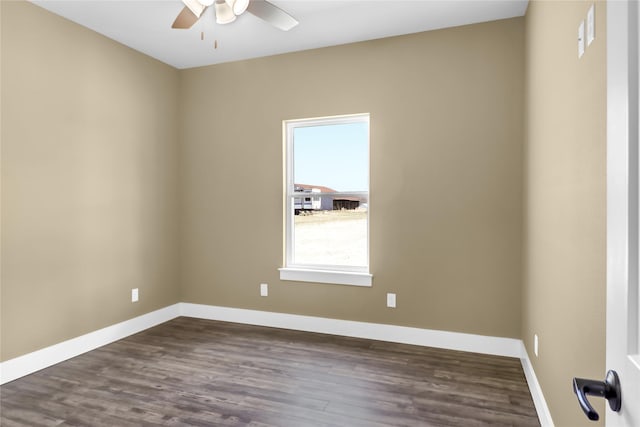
[
  {"x": 535, "y": 344},
  {"x": 134, "y": 295},
  {"x": 391, "y": 300},
  {"x": 264, "y": 289},
  {"x": 591, "y": 25},
  {"x": 581, "y": 39}
]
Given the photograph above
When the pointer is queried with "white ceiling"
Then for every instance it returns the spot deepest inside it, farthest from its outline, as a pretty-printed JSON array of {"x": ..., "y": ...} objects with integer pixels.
[{"x": 145, "y": 25}]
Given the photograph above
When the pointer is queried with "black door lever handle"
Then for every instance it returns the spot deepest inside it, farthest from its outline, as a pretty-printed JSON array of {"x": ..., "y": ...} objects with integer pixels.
[{"x": 609, "y": 389}]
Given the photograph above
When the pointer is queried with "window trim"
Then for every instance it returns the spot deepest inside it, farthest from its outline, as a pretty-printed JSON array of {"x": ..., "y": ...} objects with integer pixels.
[
  {"x": 326, "y": 276},
  {"x": 333, "y": 274}
]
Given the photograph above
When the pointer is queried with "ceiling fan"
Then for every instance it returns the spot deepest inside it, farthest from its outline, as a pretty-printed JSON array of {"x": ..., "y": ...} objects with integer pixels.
[{"x": 227, "y": 10}]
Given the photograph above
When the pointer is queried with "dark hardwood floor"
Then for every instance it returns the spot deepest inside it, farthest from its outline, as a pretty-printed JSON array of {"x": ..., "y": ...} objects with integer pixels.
[{"x": 206, "y": 373}]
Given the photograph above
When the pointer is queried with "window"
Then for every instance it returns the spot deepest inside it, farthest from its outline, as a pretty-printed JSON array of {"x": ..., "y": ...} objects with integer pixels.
[{"x": 327, "y": 200}]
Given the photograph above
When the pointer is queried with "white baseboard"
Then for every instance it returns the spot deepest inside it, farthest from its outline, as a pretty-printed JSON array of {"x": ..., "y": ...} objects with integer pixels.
[
  {"x": 29, "y": 363},
  {"x": 24, "y": 365},
  {"x": 536, "y": 391},
  {"x": 375, "y": 331}
]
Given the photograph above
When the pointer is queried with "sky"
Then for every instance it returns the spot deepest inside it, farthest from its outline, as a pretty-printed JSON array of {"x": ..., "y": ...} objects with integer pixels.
[{"x": 334, "y": 156}]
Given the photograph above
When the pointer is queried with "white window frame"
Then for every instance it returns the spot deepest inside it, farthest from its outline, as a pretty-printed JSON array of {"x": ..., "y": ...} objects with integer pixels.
[{"x": 334, "y": 274}]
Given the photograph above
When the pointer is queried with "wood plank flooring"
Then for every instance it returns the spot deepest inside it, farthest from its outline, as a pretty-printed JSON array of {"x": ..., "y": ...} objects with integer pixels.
[{"x": 205, "y": 373}]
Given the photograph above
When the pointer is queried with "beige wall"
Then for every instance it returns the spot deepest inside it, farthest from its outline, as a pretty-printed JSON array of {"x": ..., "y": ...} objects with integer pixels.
[
  {"x": 446, "y": 177},
  {"x": 565, "y": 182},
  {"x": 89, "y": 180}
]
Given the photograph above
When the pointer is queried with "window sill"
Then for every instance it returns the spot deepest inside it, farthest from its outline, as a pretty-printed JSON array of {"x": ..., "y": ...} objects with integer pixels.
[{"x": 326, "y": 276}]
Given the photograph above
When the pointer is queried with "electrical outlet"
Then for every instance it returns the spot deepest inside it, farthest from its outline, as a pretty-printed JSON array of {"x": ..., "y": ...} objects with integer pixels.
[
  {"x": 264, "y": 289},
  {"x": 581, "y": 39},
  {"x": 134, "y": 295},
  {"x": 535, "y": 344},
  {"x": 391, "y": 300}
]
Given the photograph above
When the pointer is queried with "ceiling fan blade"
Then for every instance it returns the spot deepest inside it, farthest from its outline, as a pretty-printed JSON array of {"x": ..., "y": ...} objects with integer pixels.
[
  {"x": 272, "y": 14},
  {"x": 185, "y": 19}
]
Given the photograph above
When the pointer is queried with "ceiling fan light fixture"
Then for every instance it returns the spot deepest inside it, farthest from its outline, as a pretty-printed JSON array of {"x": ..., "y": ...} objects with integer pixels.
[
  {"x": 224, "y": 14},
  {"x": 206, "y": 3},
  {"x": 238, "y": 6},
  {"x": 195, "y": 7}
]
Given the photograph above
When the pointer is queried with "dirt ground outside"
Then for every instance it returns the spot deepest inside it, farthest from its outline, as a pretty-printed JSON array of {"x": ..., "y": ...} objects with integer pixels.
[{"x": 331, "y": 238}]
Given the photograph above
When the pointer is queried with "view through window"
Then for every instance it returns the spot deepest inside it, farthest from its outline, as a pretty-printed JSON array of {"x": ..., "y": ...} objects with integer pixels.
[{"x": 328, "y": 193}]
